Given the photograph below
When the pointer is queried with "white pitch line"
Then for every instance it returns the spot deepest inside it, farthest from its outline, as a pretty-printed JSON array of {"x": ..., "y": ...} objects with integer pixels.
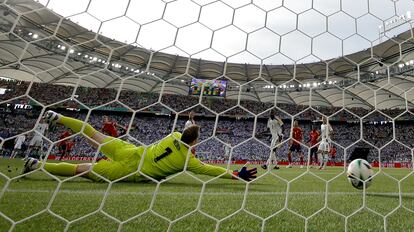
[{"x": 98, "y": 192}]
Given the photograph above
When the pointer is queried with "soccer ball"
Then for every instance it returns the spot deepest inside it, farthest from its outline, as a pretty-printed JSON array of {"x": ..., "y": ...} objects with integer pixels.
[{"x": 360, "y": 170}]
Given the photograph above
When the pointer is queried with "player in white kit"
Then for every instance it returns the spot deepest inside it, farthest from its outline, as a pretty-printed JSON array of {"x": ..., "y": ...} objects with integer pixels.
[
  {"x": 190, "y": 121},
  {"x": 19, "y": 141},
  {"x": 323, "y": 149},
  {"x": 227, "y": 150},
  {"x": 36, "y": 143},
  {"x": 275, "y": 126}
]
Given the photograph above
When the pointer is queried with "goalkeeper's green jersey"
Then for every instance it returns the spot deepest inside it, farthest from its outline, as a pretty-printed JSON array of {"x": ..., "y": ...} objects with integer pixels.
[
  {"x": 169, "y": 156},
  {"x": 161, "y": 159}
]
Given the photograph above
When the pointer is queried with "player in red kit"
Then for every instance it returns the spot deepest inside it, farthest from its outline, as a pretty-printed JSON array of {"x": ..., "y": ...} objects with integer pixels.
[
  {"x": 297, "y": 135},
  {"x": 313, "y": 141},
  {"x": 69, "y": 147},
  {"x": 62, "y": 145},
  {"x": 332, "y": 153},
  {"x": 110, "y": 128}
]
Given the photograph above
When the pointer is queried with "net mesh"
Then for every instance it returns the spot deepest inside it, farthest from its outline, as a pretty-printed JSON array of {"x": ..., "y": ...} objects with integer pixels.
[{"x": 136, "y": 62}]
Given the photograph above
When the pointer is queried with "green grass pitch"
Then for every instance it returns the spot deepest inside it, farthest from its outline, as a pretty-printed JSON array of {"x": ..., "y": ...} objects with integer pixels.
[{"x": 283, "y": 200}]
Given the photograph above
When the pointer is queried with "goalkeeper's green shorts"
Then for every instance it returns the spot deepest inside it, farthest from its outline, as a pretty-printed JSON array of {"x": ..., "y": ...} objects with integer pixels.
[{"x": 123, "y": 159}]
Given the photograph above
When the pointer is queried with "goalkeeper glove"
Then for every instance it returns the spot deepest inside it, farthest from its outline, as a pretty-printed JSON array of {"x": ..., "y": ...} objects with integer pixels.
[{"x": 246, "y": 174}]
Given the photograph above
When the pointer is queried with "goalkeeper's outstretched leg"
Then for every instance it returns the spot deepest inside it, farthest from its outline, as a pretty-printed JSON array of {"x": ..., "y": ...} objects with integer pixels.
[
  {"x": 160, "y": 160},
  {"x": 94, "y": 137},
  {"x": 76, "y": 126}
]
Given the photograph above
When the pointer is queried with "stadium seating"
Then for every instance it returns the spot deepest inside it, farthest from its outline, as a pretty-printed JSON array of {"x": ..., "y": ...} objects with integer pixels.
[{"x": 234, "y": 131}]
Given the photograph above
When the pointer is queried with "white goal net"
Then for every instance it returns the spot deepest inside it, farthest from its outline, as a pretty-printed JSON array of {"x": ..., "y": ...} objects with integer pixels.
[{"x": 137, "y": 70}]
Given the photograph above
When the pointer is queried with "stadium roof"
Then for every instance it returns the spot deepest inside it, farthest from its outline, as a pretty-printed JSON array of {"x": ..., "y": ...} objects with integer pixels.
[{"x": 46, "y": 48}]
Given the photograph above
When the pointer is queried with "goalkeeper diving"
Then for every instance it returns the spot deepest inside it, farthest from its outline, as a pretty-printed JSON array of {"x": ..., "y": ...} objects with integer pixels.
[{"x": 164, "y": 158}]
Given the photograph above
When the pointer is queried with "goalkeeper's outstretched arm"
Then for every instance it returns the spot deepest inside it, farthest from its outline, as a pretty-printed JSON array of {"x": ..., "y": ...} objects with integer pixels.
[
  {"x": 190, "y": 137},
  {"x": 198, "y": 167}
]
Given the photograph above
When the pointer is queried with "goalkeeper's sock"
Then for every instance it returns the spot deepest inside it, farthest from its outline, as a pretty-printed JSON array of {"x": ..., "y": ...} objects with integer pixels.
[
  {"x": 301, "y": 160},
  {"x": 61, "y": 169},
  {"x": 76, "y": 125}
]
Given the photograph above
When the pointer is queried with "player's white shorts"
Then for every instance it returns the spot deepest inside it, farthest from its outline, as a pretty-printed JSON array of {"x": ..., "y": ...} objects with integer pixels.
[
  {"x": 323, "y": 146},
  {"x": 18, "y": 146},
  {"x": 36, "y": 141}
]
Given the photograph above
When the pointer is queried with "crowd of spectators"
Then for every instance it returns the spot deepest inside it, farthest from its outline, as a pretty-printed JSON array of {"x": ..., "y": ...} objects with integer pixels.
[
  {"x": 235, "y": 128},
  {"x": 247, "y": 142},
  {"x": 47, "y": 94}
]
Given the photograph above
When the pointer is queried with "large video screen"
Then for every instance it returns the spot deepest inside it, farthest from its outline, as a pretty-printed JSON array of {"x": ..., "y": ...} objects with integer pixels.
[{"x": 211, "y": 87}]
